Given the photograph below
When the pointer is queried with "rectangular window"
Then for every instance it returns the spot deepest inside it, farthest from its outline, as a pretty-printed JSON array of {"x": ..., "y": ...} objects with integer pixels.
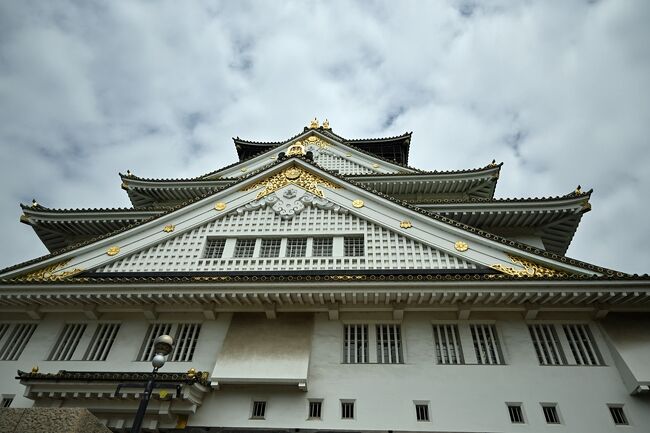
[
  {"x": 389, "y": 344},
  {"x": 67, "y": 342},
  {"x": 214, "y": 248},
  {"x": 550, "y": 414},
  {"x": 17, "y": 341},
  {"x": 347, "y": 409},
  {"x": 155, "y": 330},
  {"x": 259, "y": 410},
  {"x": 355, "y": 344},
  {"x": 244, "y": 248},
  {"x": 322, "y": 247},
  {"x": 315, "y": 409},
  {"x": 422, "y": 412},
  {"x": 353, "y": 246},
  {"x": 270, "y": 248},
  {"x": 618, "y": 416},
  {"x": 582, "y": 345},
  {"x": 446, "y": 341},
  {"x": 547, "y": 345},
  {"x": 486, "y": 344},
  {"x": 102, "y": 341},
  {"x": 516, "y": 413},
  {"x": 6, "y": 401},
  {"x": 296, "y": 247},
  {"x": 185, "y": 342}
]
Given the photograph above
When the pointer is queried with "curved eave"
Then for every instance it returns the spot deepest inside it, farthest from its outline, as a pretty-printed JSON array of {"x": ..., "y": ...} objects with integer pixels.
[{"x": 157, "y": 193}]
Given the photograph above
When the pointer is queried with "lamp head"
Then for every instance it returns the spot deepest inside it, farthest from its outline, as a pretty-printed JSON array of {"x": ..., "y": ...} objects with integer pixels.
[
  {"x": 158, "y": 360},
  {"x": 163, "y": 345}
]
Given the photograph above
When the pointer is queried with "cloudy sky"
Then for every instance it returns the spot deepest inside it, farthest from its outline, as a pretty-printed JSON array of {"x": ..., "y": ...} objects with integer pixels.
[{"x": 557, "y": 90}]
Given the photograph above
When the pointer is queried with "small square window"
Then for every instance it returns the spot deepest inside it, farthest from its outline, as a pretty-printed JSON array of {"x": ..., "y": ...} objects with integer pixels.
[
  {"x": 259, "y": 410},
  {"x": 618, "y": 415},
  {"x": 244, "y": 248},
  {"x": 315, "y": 409},
  {"x": 516, "y": 413},
  {"x": 322, "y": 247},
  {"x": 347, "y": 409},
  {"x": 270, "y": 248},
  {"x": 353, "y": 246},
  {"x": 550, "y": 414},
  {"x": 214, "y": 248},
  {"x": 422, "y": 411},
  {"x": 296, "y": 247}
]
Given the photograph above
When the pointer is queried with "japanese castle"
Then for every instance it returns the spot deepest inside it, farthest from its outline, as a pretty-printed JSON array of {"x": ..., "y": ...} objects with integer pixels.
[{"x": 323, "y": 284}]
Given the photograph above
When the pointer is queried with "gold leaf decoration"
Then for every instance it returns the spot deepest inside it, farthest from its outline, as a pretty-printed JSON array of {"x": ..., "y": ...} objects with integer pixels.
[
  {"x": 375, "y": 166},
  {"x": 292, "y": 176},
  {"x": 317, "y": 141},
  {"x": 406, "y": 224},
  {"x": 50, "y": 273},
  {"x": 169, "y": 228},
  {"x": 531, "y": 269},
  {"x": 461, "y": 246},
  {"x": 112, "y": 251},
  {"x": 220, "y": 206},
  {"x": 358, "y": 203}
]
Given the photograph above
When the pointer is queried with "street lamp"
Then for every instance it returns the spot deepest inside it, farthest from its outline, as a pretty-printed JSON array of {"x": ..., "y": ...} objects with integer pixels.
[{"x": 162, "y": 347}]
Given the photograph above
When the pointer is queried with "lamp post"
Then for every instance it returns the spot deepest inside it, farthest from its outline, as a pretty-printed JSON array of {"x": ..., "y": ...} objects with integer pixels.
[{"x": 162, "y": 347}]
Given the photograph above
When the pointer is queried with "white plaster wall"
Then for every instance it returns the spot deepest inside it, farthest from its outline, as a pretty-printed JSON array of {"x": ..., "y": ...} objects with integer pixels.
[{"x": 463, "y": 398}]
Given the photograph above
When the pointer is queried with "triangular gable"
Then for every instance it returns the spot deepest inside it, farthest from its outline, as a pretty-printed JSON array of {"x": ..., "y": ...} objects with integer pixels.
[
  {"x": 329, "y": 193},
  {"x": 328, "y": 153}
]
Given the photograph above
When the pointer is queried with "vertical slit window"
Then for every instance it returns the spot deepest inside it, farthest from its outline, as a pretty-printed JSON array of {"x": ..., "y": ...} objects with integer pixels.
[
  {"x": 17, "y": 341},
  {"x": 516, "y": 414},
  {"x": 259, "y": 410},
  {"x": 214, "y": 248},
  {"x": 347, "y": 409},
  {"x": 187, "y": 336},
  {"x": 550, "y": 414},
  {"x": 355, "y": 344},
  {"x": 582, "y": 345},
  {"x": 67, "y": 342},
  {"x": 102, "y": 342},
  {"x": 296, "y": 247},
  {"x": 315, "y": 409},
  {"x": 244, "y": 248},
  {"x": 6, "y": 401},
  {"x": 322, "y": 247},
  {"x": 618, "y": 416},
  {"x": 389, "y": 344},
  {"x": 270, "y": 248},
  {"x": 422, "y": 412},
  {"x": 446, "y": 341},
  {"x": 353, "y": 246},
  {"x": 547, "y": 345},
  {"x": 486, "y": 344},
  {"x": 155, "y": 330}
]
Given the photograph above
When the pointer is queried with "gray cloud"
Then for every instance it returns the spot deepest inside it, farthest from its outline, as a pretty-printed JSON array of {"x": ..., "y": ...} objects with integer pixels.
[{"x": 558, "y": 91}]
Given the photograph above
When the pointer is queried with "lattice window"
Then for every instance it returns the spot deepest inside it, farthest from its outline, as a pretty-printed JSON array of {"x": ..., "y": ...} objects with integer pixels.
[
  {"x": 214, "y": 248},
  {"x": 315, "y": 409},
  {"x": 422, "y": 412},
  {"x": 270, "y": 248},
  {"x": 347, "y": 409},
  {"x": 244, "y": 248},
  {"x": 155, "y": 330},
  {"x": 486, "y": 344},
  {"x": 342, "y": 165},
  {"x": 353, "y": 246},
  {"x": 355, "y": 344},
  {"x": 582, "y": 345},
  {"x": 322, "y": 247},
  {"x": 550, "y": 413},
  {"x": 547, "y": 344},
  {"x": 389, "y": 344},
  {"x": 259, "y": 410},
  {"x": 187, "y": 336},
  {"x": 618, "y": 415},
  {"x": 17, "y": 341},
  {"x": 516, "y": 413},
  {"x": 296, "y": 247},
  {"x": 67, "y": 342},
  {"x": 446, "y": 341},
  {"x": 102, "y": 342}
]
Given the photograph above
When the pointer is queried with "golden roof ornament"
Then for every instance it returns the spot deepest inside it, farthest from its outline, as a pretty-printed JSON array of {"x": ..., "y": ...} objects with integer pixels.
[
  {"x": 461, "y": 246},
  {"x": 313, "y": 124},
  {"x": 34, "y": 202},
  {"x": 128, "y": 172},
  {"x": 35, "y": 369},
  {"x": 493, "y": 163},
  {"x": 296, "y": 149},
  {"x": 326, "y": 124},
  {"x": 578, "y": 190}
]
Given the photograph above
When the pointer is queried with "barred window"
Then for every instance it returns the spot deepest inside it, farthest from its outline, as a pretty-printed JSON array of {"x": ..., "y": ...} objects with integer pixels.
[
  {"x": 618, "y": 416},
  {"x": 17, "y": 341},
  {"x": 244, "y": 248},
  {"x": 296, "y": 247},
  {"x": 214, "y": 248},
  {"x": 389, "y": 344},
  {"x": 353, "y": 246},
  {"x": 185, "y": 342},
  {"x": 516, "y": 413},
  {"x": 67, "y": 342},
  {"x": 6, "y": 401},
  {"x": 547, "y": 345},
  {"x": 550, "y": 414},
  {"x": 582, "y": 345},
  {"x": 270, "y": 248},
  {"x": 315, "y": 409},
  {"x": 322, "y": 247},
  {"x": 155, "y": 330},
  {"x": 259, "y": 410},
  {"x": 102, "y": 342},
  {"x": 446, "y": 341},
  {"x": 422, "y": 412},
  {"x": 347, "y": 409},
  {"x": 486, "y": 344},
  {"x": 355, "y": 344}
]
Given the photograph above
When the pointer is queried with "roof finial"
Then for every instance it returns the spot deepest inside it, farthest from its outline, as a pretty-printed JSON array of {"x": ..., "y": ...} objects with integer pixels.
[
  {"x": 578, "y": 190},
  {"x": 326, "y": 124},
  {"x": 128, "y": 172},
  {"x": 313, "y": 124},
  {"x": 34, "y": 202},
  {"x": 493, "y": 163}
]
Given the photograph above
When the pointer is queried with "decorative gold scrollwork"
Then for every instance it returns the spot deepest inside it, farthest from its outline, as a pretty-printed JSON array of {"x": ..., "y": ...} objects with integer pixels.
[
  {"x": 295, "y": 176},
  {"x": 531, "y": 269},
  {"x": 50, "y": 273}
]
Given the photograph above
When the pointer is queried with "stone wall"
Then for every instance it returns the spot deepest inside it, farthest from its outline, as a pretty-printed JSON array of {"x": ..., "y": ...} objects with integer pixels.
[{"x": 48, "y": 420}]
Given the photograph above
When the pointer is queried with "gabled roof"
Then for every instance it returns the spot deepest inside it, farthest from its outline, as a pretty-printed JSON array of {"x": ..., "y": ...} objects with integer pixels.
[{"x": 92, "y": 253}]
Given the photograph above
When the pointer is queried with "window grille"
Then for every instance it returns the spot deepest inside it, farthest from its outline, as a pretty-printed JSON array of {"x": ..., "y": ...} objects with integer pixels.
[
  {"x": 185, "y": 342},
  {"x": 155, "y": 330},
  {"x": 322, "y": 247},
  {"x": 4, "y": 327},
  {"x": 582, "y": 345},
  {"x": 6, "y": 401},
  {"x": 214, "y": 248},
  {"x": 259, "y": 409},
  {"x": 353, "y": 246},
  {"x": 315, "y": 409},
  {"x": 486, "y": 344},
  {"x": 67, "y": 342},
  {"x": 270, "y": 248},
  {"x": 355, "y": 344},
  {"x": 422, "y": 412},
  {"x": 347, "y": 409},
  {"x": 389, "y": 344},
  {"x": 102, "y": 342},
  {"x": 244, "y": 248},
  {"x": 17, "y": 341},
  {"x": 547, "y": 345},
  {"x": 550, "y": 414},
  {"x": 516, "y": 414},
  {"x": 446, "y": 341},
  {"x": 618, "y": 415},
  {"x": 296, "y": 247}
]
